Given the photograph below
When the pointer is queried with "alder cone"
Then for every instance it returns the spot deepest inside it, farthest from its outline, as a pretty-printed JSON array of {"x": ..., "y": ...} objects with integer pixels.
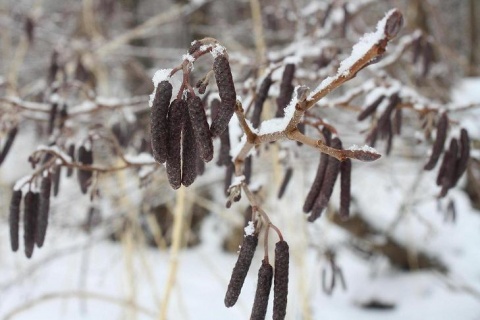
[
  {"x": 30, "y": 215},
  {"x": 198, "y": 119},
  {"x": 264, "y": 285},
  {"x": 280, "y": 282},
  {"x": 175, "y": 124},
  {"x": 228, "y": 96},
  {"x": 14, "y": 218},
  {"x": 189, "y": 152},
  {"x": 442, "y": 127},
  {"x": 85, "y": 157},
  {"x": 44, "y": 208},
  {"x": 240, "y": 270},
  {"x": 158, "y": 121}
]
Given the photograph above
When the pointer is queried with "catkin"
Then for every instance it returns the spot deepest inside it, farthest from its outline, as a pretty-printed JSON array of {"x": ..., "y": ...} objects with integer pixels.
[
  {"x": 264, "y": 285},
  {"x": 370, "y": 109},
  {"x": 345, "y": 181},
  {"x": 8, "y": 144},
  {"x": 52, "y": 116},
  {"x": 240, "y": 270},
  {"x": 442, "y": 127},
  {"x": 224, "y": 157},
  {"x": 285, "y": 181},
  {"x": 189, "y": 152},
  {"x": 280, "y": 282},
  {"x": 331, "y": 174},
  {"x": 14, "y": 218},
  {"x": 448, "y": 179},
  {"x": 43, "y": 210},
  {"x": 56, "y": 175},
  {"x": 71, "y": 153},
  {"x": 384, "y": 122},
  {"x": 464, "y": 154},
  {"x": 262, "y": 95},
  {"x": 199, "y": 122},
  {"x": 286, "y": 89},
  {"x": 85, "y": 157},
  {"x": 30, "y": 213},
  {"x": 397, "y": 121},
  {"x": 175, "y": 123},
  {"x": 229, "y": 171},
  {"x": 247, "y": 169},
  {"x": 158, "y": 121},
  {"x": 228, "y": 96},
  {"x": 317, "y": 182}
]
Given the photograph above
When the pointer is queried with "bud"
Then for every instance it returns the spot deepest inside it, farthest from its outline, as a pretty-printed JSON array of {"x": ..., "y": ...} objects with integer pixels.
[{"x": 393, "y": 24}]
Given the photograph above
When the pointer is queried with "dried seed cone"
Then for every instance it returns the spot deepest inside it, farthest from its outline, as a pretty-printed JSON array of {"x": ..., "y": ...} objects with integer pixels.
[
  {"x": 317, "y": 182},
  {"x": 240, "y": 270},
  {"x": 14, "y": 218},
  {"x": 331, "y": 174},
  {"x": 30, "y": 216},
  {"x": 262, "y": 95},
  {"x": 199, "y": 122},
  {"x": 345, "y": 181},
  {"x": 175, "y": 124},
  {"x": 286, "y": 89},
  {"x": 158, "y": 121},
  {"x": 280, "y": 282},
  {"x": 370, "y": 109},
  {"x": 228, "y": 96},
  {"x": 442, "y": 127},
  {"x": 286, "y": 180},
  {"x": 8, "y": 144},
  {"x": 85, "y": 157},
  {"x": 264, "y": 285},
  {"x": 44, "y": 208},
  {"x": 189, "y": 153}
]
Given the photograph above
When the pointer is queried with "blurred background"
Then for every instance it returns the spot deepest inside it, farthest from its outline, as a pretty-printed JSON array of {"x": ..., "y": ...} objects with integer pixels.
[{"x": 132, "y": 248}]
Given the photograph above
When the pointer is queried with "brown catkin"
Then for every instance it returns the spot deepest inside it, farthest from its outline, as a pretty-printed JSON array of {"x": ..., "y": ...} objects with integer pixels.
[
  {"x": 370, "y": 109},
  {"x": 189, "y": 152},
  {"x": 286, "y": 89},
  {"x": 397, "y": 121},
  {"x": 345, "y": 181},
  {"x": 56, "y": 176},
  {"x": 240, "y": 270},
  {"x": 224, "y": 157},
  {"x": 285, "y": 181},
  {"x": 30, "y": 213},
  {"x": 71, "y": 153},
  {"x": 85, "y": 157},
  {"x": 52, "y": 116},
  {"x": 43, "y": 210},
  {"x": 384, "y": 122},
  {"x": 215, "y": 105},
  {"x": 280, "y": 282},
  {"x": 247, "y": 169},
  {"x": 317, "y": 182},
  {"x": 331, "y": 174},
  {"x": 158, "y": 121},
  {"x": 228, "y": 96},
  {"x": 175, "y": 123},
  {"x": 464, "y": 155},
  {"x": 264, "y": 285},
  {"x": 199, "y": 122},
  {"x": 262, "y": 95},
  {"x": 442, "y": 127},
  {"x": 14, "y": 218},
  {"x": 8, "y": 144},
  {"x": 229, "y": 171},
  {"x": 448, "y": 179}
]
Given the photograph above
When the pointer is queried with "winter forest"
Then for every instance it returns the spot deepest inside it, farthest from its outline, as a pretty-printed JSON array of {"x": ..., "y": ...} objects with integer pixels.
[{"x": 251, "y": 159}]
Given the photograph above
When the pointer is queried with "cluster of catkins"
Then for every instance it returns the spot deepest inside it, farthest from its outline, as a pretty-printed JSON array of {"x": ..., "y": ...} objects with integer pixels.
[
  {"x": 455, "y": 158},
  {"x": 36, "y": 201},
  {"x": 322, "y": 187},
  {"x": 180, "y": 133},
  {"x": 266, "y": 273}
]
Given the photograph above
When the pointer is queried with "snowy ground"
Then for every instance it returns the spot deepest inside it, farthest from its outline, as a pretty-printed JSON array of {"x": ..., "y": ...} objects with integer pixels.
[{"x": 76, "y": 276}]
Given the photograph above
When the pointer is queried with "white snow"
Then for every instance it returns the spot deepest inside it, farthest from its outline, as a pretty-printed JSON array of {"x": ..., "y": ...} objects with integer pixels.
[
  {"x": 365, "y": 148},
  {"x": 21, "y": 182},
  {"x": 159, "y": 76},
  {"x": 249, "y": 229},
  {"x": 141, "y": 158}
]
